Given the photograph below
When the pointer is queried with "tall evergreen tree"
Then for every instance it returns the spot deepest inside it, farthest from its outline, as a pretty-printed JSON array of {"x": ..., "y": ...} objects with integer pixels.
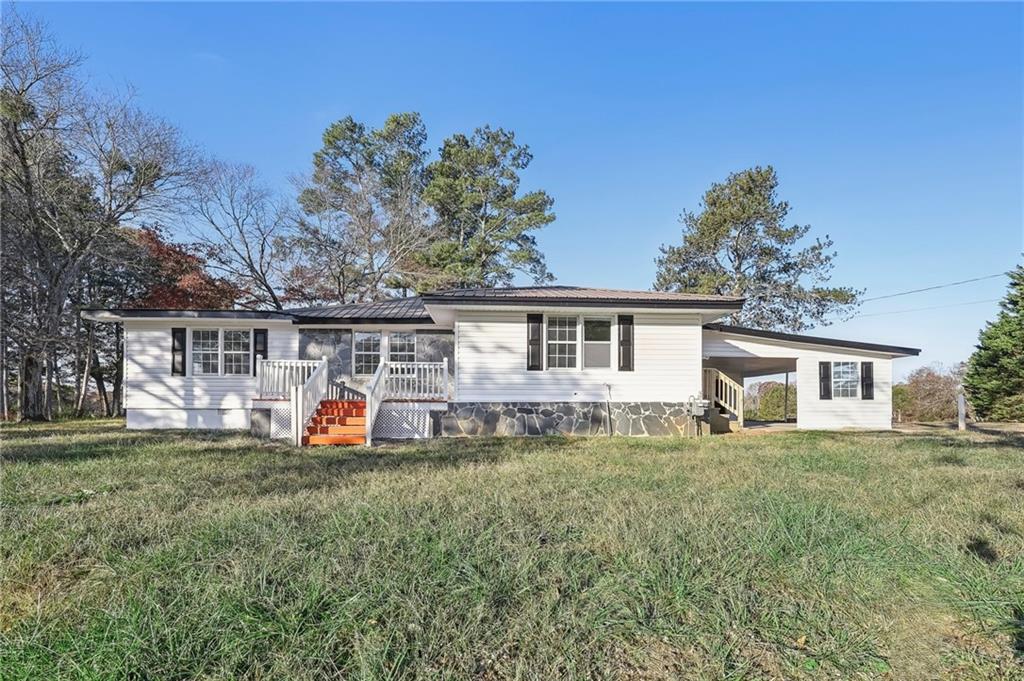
[
  {"x": 364, "y": 220},
  {"x": 487, "y": 227},
  {"x": 738, "y": 244},
  {"x": 994, "y": 381}
]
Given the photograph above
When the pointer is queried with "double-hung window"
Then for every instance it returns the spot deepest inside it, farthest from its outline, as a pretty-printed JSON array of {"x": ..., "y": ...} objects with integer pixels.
[
  {"x": 222, "y": 352},
  {"x": 597, "y": 343},
  {"x": 205, "y": 352},
  {"x": 237, "y": 348},
  {"x": 402, "y": 346},
  {"x": 366, "y": 352},
  {"x": 562, "y": 341},
  {"x": 845, "y": 379}
]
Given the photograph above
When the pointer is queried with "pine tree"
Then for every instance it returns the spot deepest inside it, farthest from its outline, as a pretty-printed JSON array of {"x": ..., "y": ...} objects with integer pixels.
[
  {"x": 994, "y": 381},
  {"x": 738, "y": 244}
]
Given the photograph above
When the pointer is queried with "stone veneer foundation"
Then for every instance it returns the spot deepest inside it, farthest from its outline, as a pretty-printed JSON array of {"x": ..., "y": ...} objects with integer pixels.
[{"x": 567, "y": 418}]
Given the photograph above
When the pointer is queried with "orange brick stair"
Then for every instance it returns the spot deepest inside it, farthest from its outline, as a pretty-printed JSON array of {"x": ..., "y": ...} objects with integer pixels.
[{"x": 337, "y": 422}]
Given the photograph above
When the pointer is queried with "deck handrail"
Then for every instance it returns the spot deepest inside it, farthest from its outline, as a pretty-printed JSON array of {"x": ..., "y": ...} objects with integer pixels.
[
  {"x": 275, "y": 378},
  {"x": 426, "y": 381},
  {"x": 375, "y": 392},
  {"x": 725, "y": 392},
  {"x": 306, "y": 398}
]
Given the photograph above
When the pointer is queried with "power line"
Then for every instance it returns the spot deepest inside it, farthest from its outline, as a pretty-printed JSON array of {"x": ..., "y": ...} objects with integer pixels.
[
  {"x": 932, "y": 288},
  {"x": 919, "y": 309}
]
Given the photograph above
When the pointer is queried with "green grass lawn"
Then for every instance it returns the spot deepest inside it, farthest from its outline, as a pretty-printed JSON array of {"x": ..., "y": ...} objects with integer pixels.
[{"x": 806, "y": 555}]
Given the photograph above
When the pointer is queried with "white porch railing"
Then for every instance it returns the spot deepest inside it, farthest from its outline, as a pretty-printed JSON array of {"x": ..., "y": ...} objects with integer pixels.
[
  {"x": 724, "y": 392},
  {"x": 275, "y": 378},
  {"x": 416, "y": 380},
  {"x": 375, "y": 393},
  {"x": 411, "y": 381},
  {"x": 305, "y": 383},
  {"x": 306, "y": 398}
]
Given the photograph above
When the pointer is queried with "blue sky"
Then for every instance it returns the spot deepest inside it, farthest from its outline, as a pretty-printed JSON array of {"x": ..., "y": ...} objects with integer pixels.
[{"x": 896, "y": 129}]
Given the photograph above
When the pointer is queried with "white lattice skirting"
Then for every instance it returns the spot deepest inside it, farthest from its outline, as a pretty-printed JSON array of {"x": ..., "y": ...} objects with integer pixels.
[
  {"x": 281, "y": 422},
  {"x": 405, "y": 420}
]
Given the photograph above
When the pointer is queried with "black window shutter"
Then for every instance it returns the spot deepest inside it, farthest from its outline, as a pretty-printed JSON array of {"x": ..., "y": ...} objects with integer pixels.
[
  {"x": 259, "y": 346},
  {"x": 867, "y": 380},
  {"x": 177, "y": 352},
  {"x": 534, "y": 329},
  {"x": 625, "y": 342},
  {"x": 825, "y": 380}
]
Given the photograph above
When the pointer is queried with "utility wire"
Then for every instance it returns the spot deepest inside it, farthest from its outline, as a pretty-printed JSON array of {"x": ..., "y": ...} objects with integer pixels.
[
  {"x": 932, "y": 288},
  {"x": 919, "y": 309}
]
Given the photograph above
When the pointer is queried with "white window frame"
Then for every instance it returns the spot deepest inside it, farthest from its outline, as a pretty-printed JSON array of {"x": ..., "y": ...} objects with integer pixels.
[
  {"x": 192, "y": 352},
  {"x": 856, "y": 380},
  {"x": 391, "y": 335},
  {"x": 583, "y": 341},
  {"x": 381, "y": 349},
  {"x": 224, "y": 352},
  {"x": 579, "y": 359},
  {"x": 190, "y": 349}
]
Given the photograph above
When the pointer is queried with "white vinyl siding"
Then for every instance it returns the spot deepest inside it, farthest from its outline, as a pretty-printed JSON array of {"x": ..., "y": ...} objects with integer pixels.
[
  {"x": 812, "y": 412},
  {"x": 491, "y": 358},
  {"x": 149, "y": 384}
]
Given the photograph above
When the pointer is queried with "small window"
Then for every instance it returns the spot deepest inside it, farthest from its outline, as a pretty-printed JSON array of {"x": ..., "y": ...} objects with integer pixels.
[
  {"x": 562, "y": 336},
  {"x": 366, "y": 356},
  {"x": 236, "y": 352},
  {"x": 597, "y": 343},
  {"x": 205, "y": 352},
  {"x": 402, "y": 346},
  {"x": 844, "y": 379}
]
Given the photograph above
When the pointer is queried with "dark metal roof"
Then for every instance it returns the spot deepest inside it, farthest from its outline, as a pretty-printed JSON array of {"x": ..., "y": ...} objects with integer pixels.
[
  {"x": 812, "y": 340},
  {"x": 575, "y": 295},
  {"x": 395, "y": 311}
]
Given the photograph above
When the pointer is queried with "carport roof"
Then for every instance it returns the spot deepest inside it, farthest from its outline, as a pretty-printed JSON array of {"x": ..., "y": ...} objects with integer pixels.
[{"x": 813, "y": 340}]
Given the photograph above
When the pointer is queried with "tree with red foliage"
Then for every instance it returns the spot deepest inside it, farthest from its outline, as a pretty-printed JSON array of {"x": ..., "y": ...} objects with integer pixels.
[{"x": 176, "y": 279}]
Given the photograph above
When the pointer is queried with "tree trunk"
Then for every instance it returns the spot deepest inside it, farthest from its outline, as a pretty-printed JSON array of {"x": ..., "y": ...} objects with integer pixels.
[
  {"x": 86, "y": 372},
  {"x": 5, "y": 410},
  {"x": 118, "y": 389},
  {"x": 48, "y": 387},
  {"x": 78, "y": 366},
  {"x": 33, "y": 394},
  {"x": 57, "y": 388},
  {"x": 101, "y": 387}
]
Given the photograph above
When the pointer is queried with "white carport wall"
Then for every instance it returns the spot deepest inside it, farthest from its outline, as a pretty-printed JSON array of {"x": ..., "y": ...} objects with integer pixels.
[{"x": 742, "y": 356}]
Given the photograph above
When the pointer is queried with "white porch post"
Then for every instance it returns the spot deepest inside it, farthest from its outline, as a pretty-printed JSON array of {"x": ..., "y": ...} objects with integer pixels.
[
  {"x": 259, "y": 375},
  {"x": 444, "y": 377}
]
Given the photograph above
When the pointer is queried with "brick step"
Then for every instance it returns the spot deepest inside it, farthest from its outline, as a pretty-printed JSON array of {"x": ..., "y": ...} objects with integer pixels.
[
  {"x": 333, "y": 440},
  {"x": 340, "y": 412},
  {"x": 343, "y": 404},
  {"x": 336, "y": 430},
  {"x": 318, "y": 420}
]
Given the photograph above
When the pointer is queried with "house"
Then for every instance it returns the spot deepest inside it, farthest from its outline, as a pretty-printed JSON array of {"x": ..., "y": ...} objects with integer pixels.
[{"x": 504, "y": 361}]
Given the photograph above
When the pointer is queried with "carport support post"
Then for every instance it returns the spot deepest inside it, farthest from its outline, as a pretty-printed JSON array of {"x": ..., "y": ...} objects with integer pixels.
[{"x": 785, "y": 401}]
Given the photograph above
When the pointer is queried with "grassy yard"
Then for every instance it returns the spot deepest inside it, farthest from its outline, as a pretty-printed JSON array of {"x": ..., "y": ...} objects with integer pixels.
[{"x": 806, "y": 555}]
